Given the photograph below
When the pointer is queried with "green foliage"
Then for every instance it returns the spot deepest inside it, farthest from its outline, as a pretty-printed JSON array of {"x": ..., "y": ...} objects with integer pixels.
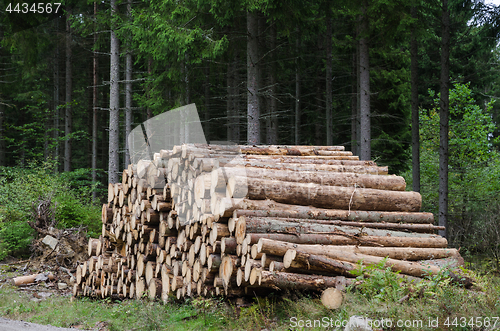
[
  {"x": 474, "y": 168},
  {"x": 15, "y": 235},
  {"x": 378, "y": 282},
  {"x": 21, "y": 187}
]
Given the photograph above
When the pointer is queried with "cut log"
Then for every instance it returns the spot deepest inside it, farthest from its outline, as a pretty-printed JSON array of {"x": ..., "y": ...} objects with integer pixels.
[
  {"x": 24, "y": 280},
  {"x": 403, "y": 253},
  {"x": 292, "y": 217},
  {"x": 407, "y": 268},
  {"x": 296, "y": 226},
  {"x": 331, "y": 298},
  {"x": 349, "y": 198},
  {"x": 319, "y": 239},
  {"x": 290, "y": 281},
  {"x": 393, "y": 183},
  {"x": 305, "y": 261},
  {"x": 274, "y": 209},
  {"x": 359, "y": 169}
]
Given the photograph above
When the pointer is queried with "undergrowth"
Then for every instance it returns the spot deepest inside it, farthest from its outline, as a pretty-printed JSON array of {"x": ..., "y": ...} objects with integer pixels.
[
  {"x": 379, "y": 295},
  {"x": 21, "y": 187}
]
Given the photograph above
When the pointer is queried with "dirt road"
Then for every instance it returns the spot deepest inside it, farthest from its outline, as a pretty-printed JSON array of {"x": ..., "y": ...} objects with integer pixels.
[{"x": 10, "y": 325}]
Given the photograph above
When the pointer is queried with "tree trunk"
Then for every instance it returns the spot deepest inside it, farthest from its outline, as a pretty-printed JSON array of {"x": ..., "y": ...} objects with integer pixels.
[
  {"x": 443, "y": 117},
  {"x": 206, "y": 121},
  {"x": 230, "y": 82},
  {"x": 94, "y": 111},
  {"x": 354, "y": 104},
  {"x": 297, "y": 89},
  {"x": 364, "y": 76},
  {"x": 253, "y": 107},
  {"x": 56, "y": 102},
  {"x": 68, "y": 118},
  {"x": 415, "y": 124},
  {"x": 328, "y": 79},
  {"x": 128, "y": 94},
  {"x": 272, "y": 121},
  {"x": 114, "y": 103},
  {"x": 2, "y": 138},
  {"x": 347, "y": 198}
]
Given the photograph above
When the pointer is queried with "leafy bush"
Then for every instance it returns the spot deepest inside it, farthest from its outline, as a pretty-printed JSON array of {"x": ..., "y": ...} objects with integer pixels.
[
  {"x": 21, "y": 187},
  {"x": 378, "y": 282}
]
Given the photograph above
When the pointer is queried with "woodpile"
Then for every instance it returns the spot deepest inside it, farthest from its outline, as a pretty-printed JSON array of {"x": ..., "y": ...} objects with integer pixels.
[{"x": 205, "y": 220}]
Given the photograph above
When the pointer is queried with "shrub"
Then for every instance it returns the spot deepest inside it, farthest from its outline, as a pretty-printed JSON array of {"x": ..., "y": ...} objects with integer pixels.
[{"x": 21, "y": 187}]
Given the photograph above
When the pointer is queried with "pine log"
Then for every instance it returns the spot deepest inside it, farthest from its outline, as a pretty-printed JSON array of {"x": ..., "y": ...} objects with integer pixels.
[
  {"x": 394, "y": 183},
  {"x": 275, "y": 209},
  {"x": 23, "y": 280},
  {"x": 106, "y": 214},
  {"x": 332, "y": 298},
  {"x": 349, "y": 198},
  {"x": 306, "y": 261},
  {"x": 290, "y": 281},
  {"x": 403, "y": 253},
  {"x": 359, "y": 169},
  {"x": 407, "y": 268},
  {"x": 320, "y": 239},
  {"x": 287, "y": 226},
  {"x": 292, "y": 217}
]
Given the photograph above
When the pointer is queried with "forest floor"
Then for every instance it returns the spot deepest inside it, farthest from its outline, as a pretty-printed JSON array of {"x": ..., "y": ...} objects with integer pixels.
[{"x": 437, "y": 306}]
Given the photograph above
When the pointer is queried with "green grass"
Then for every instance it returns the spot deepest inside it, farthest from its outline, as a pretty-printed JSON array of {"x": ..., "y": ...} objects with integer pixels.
[
  {"x": 273, "y": 313},
  {"x": 378, "y": 299}
]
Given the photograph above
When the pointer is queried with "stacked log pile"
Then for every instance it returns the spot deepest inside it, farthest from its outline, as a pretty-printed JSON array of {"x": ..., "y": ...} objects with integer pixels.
[{"x": 235, "y": 220}]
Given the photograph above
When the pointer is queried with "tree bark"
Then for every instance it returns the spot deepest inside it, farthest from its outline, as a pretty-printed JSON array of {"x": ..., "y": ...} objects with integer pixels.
[
  {"x": 443, "y": 117},
  {"x": 114, "y": 102},
  {"x": 68, "y": 117},
  {"x": 415, "y": 122},
  {"x": 253, "y": 107},
  {"x": 364, "y": 67}
]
